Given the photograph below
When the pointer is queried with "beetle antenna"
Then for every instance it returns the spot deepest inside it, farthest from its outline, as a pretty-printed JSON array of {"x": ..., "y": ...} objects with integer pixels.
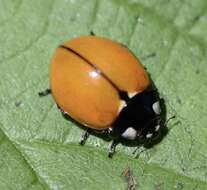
[{"x": 166, "y": 122}]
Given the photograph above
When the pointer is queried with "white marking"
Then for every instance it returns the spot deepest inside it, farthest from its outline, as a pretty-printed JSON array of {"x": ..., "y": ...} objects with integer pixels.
[
  {"x": 110, "y": 129},
  {"x": 121, "y": 105},
  {"x": 130, "y": 133},
  {"x": 93, "y": 74},
  {"x": 156, "y": 108},
  {"x": 157, "y": 128},
  {"x": 149, "y": 135},
  {"x": 131, "y": 94}
]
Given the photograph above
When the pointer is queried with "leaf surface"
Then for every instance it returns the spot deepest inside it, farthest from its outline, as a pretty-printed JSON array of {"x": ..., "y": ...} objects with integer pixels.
[{"x": 39, "y": 149}]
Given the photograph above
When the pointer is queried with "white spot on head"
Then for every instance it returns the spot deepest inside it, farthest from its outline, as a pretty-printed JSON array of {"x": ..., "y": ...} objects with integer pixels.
[
  {"x": 109, "y": 129},
  {"x": 157, "y": 128},
  {"x": 149, "y": 135},
  {"x": 122, "y": 105},
  {"x": 156, "y": 108},
  {"x": 93, "y": 74},
  {"x": 130, "y": 133},
  {"x": 131, "y": 94}
]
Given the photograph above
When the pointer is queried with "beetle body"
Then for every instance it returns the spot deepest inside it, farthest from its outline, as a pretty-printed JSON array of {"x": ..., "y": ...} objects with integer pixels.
[{"x": 103, "y": 86}]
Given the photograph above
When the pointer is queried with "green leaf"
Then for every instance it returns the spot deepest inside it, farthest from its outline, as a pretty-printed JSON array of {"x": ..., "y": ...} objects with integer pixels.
[{"x": 39, "y": 149}]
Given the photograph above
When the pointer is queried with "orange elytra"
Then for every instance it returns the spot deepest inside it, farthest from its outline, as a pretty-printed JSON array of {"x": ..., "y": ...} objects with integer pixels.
[{"x": 79, "y": 87}]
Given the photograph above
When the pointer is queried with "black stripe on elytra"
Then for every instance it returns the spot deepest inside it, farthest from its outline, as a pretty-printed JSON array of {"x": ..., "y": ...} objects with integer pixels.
[{"x": 123, "y": 94}]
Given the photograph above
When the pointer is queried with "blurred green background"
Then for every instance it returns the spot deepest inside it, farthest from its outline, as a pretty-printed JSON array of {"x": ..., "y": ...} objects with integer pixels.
[{"x": 39, "y": 149}]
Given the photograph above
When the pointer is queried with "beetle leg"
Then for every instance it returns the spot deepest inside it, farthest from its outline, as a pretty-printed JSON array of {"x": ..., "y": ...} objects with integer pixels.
[
  {"x": 45, "y": 92},
  {"x": 84, "y": 137},
  {"x": 112, "y": 148},
  {"x": 92, "y": 33}
]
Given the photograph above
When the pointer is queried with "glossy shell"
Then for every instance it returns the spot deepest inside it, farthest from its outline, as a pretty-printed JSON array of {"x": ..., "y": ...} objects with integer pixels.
[{"x": 80, "y": 79}]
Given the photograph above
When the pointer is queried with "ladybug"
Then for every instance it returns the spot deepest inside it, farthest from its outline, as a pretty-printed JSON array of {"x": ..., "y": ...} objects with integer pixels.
[{"x": 100, "y": 84}]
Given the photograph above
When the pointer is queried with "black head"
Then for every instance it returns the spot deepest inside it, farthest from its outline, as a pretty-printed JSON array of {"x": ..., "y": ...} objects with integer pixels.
[{"x": 140, "y": 119}]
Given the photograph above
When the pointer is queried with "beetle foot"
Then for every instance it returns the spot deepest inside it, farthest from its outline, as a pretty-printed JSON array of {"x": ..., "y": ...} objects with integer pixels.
[
  {"x": 45, "y": 92},
  {"x": 84, "y": 137},
  {"x": 112, "y": 148}
]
